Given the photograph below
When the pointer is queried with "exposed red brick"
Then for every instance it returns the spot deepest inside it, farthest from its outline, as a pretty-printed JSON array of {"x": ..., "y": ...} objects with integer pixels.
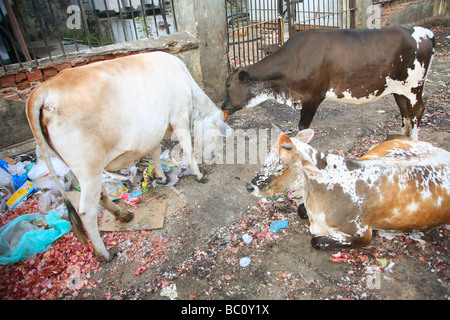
[
  {"x": 23, "y": 85},
  {"x": 95, "y": 58},
  {"x": 49, "y": 72},
  {"x": 36, "y": 75},
  {"x": 8, "y": 81},
  {"x": 109, "y": 56},
  {"x": 62, "y": 66},
  {"x": 120, "y": 54},
  {"x": 20, "y": 77},
  {"x": 79, "y": 62}
]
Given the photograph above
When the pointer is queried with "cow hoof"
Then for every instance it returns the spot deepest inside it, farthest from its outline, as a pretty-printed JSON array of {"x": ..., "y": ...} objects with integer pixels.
[
  {"x": 328, "y": 242},
  {"x": 125, "y": 217},
  {"x": 203, "y": 179},
  {"x": 106, "y": 259},
  {"x": 301, "y": 211},
  {"x": 162, "y": 180},
  {"x": 320, "y": 243}
]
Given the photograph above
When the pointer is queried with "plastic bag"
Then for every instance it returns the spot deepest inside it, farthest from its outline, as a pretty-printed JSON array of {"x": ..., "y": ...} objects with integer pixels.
[
  {"x": 47, "y": 198},
  {"x": 39, "y": 174},
  {"x": 29, "y": 234},
  {"x": 40, "y": 169},
  {"x": 5, "y": 178},
  {"x": 277, "y": 225},
  {"x": 5, "y": 194}
]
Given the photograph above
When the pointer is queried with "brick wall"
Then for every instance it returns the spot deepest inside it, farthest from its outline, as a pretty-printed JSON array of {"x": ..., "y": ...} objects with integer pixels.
[
  {"x": 391, "y": 7},
  {"x": 18, "y": 85}
]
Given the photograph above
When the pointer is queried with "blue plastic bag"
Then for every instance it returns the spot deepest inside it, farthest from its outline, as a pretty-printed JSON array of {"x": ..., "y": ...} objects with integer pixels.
[
  {"x": 25, "y": 236},
  {"x": 277, "y": 225}
]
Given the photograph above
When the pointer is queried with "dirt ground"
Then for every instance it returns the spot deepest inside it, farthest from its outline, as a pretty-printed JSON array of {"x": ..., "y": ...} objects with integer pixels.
[
  {"x": 196, "y": 256},
  {"x": 204, "y": 241}
]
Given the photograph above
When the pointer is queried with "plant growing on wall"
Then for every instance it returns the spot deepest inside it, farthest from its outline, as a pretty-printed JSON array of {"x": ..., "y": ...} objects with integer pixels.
[
  {"x": 143, "y": 26},
  {"x": 96, "y": 38}
]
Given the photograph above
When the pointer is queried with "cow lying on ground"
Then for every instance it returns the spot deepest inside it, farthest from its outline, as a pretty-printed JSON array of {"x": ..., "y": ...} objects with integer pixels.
[
  {"x": 400, "y": 184},
  {"x": 108, "y": 114},
  {"x": 349, "y": 66}
]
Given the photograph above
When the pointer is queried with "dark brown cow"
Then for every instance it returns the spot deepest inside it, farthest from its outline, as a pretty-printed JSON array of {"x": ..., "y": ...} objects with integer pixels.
[{"x": 350, "y": 66}]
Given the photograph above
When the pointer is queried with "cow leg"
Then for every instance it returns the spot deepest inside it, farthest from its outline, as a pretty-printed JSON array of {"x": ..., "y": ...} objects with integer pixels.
[
  {"x": 161, "y": 178},
  {"x": 330, "y": 242},
  {"x": 411, "y": 116},
  {"x": 307, "y": 113},
  {"x": 89, "y": 199},
  {"x": 417, "y": 112},
  {"x": 119, "y": 213},
  {"x": 301, "y": 211},
  {"x": 184, "y": 137}
]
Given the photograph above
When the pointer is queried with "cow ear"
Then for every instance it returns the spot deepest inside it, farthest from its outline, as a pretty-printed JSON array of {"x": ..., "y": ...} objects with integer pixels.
[
  {"x": 305, "y": 136},
  {"x": 283, "y": 139},
  {"x": 243, "y": 76},
  {"x": 309, "y": 167}
]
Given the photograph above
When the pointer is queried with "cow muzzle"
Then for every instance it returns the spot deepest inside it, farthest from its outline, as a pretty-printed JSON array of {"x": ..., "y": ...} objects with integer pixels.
[
  {"x": 227, "y": 106},
  {"x": 253, "y": 190}
]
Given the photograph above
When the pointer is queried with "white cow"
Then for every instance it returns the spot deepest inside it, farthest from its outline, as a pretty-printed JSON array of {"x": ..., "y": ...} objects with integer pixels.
[{"x": 104, "y": 116}]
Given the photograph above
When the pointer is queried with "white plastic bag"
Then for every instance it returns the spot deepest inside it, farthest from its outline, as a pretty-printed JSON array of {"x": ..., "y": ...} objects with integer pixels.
[
  {"x": 5, "y": 179},
  {"x": 40, "y": 169}
]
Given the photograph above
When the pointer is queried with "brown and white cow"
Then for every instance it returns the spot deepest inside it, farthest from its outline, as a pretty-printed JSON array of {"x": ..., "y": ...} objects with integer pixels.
[
  {"x": 106, "y": 115},
  {"x": 400, "y": 184},
  {"x": 349, "y": 66}
]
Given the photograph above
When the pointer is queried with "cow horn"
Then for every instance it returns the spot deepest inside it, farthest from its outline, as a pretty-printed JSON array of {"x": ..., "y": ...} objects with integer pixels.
[{"x": 276, "y": 128}]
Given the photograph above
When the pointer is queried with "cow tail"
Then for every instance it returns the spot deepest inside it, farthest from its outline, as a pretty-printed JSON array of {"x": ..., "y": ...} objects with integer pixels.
[{"x": 34, "y": 107}]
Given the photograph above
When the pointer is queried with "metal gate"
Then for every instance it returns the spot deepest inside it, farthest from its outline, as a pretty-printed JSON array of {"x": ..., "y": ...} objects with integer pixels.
[
  {"x": 256, "y": 28},
  {"x": 35, "y": 29}
]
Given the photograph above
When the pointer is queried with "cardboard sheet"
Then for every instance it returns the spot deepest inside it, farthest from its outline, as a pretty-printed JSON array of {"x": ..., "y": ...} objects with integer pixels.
[{"x": 149, "y": 213}]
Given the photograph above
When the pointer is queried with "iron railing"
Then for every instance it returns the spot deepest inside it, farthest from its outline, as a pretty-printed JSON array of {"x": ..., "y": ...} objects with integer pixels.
[
  {"x": 257, "y": 28},
  {"x": 35, "y": 29}
]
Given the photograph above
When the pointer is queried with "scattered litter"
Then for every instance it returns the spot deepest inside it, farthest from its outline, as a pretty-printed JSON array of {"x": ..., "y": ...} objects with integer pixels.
[
  {"x": 128, "y": 199},
  {"x": 149, "y": 174},
  {"x": 123, "y": 175},
  {"x": 20, "y": 195},
  {"x": 339, "y": 257},
  {"x": 47, "y": 198},
  {"x": 247, "y": 238},
  {"x": 389, "y": 266},
  {"x": 277, "y": 225},
  {"x": 244, "y": 262},
  {"x": 29, "y": 234},
  {"x": 40, "y": 170},
  {"x": 169, "y": 291},
  {"x": 5, "y": 194},
  {"x": 382, "y": 262},
  {"x": 5, "y": 178},
  {"x": 114, "y": 190}
]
